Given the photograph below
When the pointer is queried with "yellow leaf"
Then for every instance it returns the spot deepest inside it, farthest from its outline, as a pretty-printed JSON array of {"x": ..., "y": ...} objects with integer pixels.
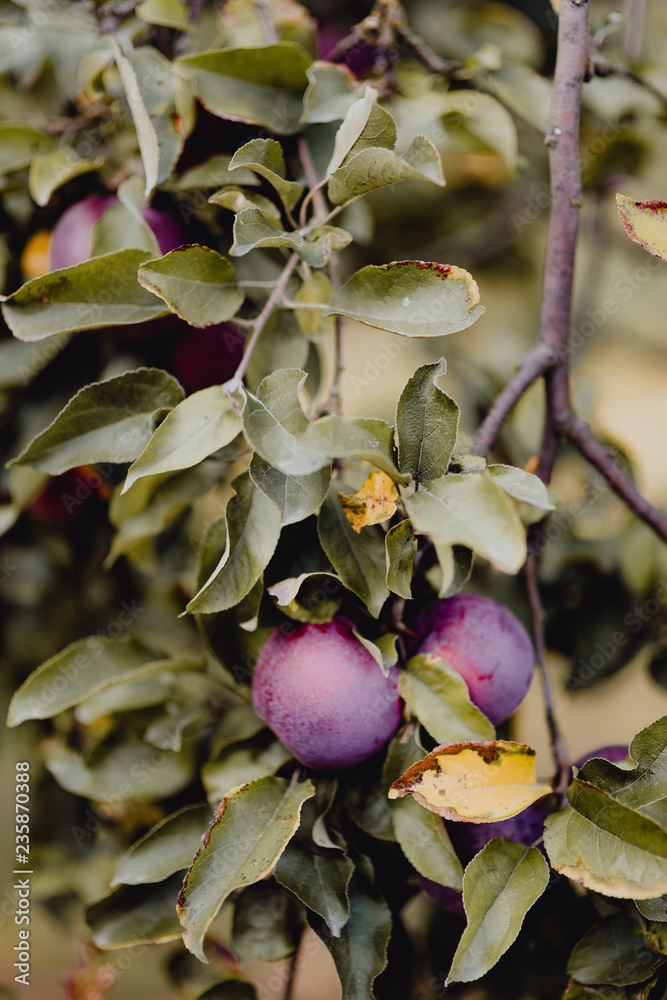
[
  {"x": 646, "y": 223},
  {"x": 474, "y": 782},
  {"x": 374, "y": 503}
]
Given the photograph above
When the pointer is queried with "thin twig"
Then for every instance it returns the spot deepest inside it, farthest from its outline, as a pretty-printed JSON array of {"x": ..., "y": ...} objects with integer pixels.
[
  {"x": 601, "y": 67},
  {"x": 582, "y": 438},
  {"x": 534, "y": 364},
  {"x": 437, "y": 65},
  {"x": 262, "y": 320},
  {"x": 558, "y": 748},
  {"x": 291, "y": 973}
]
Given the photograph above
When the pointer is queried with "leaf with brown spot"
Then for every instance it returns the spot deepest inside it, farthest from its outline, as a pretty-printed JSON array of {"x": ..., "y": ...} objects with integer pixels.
[{"x": 374, "y": 503}]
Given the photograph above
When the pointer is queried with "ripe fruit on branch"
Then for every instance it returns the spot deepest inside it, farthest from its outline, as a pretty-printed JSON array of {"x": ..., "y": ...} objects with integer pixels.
[
  {"x": 72, "y": 238},
  {"x": 486, "y": 644},
  {"x": 616, "y": 754},
  {"x": 324, "y": 696}
]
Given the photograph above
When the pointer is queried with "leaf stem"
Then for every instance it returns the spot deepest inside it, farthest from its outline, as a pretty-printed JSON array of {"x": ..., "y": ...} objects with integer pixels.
[{"x": 261, "y": 321}]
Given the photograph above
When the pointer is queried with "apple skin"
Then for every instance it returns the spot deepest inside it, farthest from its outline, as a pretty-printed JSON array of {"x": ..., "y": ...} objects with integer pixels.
[
  {"x": 486, "y": 644},
  {"x": 72, "y": 238},
  {"x": 448, "y": 899},
  {"x": 615, "y": 754},
  {"x": 324, "y": 696},
  {"x": 204, "y": 356}
]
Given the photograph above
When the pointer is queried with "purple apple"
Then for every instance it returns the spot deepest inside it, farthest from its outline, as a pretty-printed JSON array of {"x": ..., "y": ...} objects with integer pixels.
[
  {"x": 72, "y": 238},
  {"x": 486, "y": 644},
  {"x": 468, "y": 839},
  {"x": 324, "y": 696},
  {"x": 615, "y": 754},
  {"x": 448, "y": 899},
  {"x": 206, "y": 356}
]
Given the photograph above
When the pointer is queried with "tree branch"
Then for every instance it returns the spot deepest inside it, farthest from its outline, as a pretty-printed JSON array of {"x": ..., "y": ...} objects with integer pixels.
[{"x": 533, "y": 365}]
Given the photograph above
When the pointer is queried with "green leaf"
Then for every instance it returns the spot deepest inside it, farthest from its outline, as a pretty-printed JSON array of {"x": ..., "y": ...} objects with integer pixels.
[
  {"x": 645, "y": 222},
  {"x": 607, "y": 846},
  {"x": 20, "y": 363},
  {"x": 427, "y": 423},
  {"x": 296, "y": 497},
  {"x": 613, "y": 952},
  {"x": 280, "y": 432},
  {"x": 439, "y": 697},
  {"x": 242, "y": 763},
  {"x": 383, "y": 650},
  {"x": 400, "y": 552},
  {"x": 642, "y": 785},
  {"x": 425, "y": 843},
  {"x": 237, "y": 200},
  {"x": 653, "y": 909},
  {"x": 84, "y": 668},
  {"x": 169, "y": 13},
  {"x": 310, "y": 597},
  {"x": 168, "y": 847},
  {"x": 49, "y": 171},
  {"x": 196, "y": 427},
  {"x": 239, "y": 722},
  {"x": 253, "y": 530},
  {"x": 150, "y": 87},
  {"x": 321, "y": 243},
  {"x": 319, "y": 880},
  {"x": 360, "y": 951},
  {"x": 414, "y": 298},
  {"x": 365, "y": 125},
  {"x": 253, "y": 230},
  {"x": 132, "y": 915},
  {"x": 109, "y": 421},
  {"x": 375, "y": 168},
  {"x": 500, "y": 885},
  {"x": 470, "y": 510},
  {"x": 330, "y": 94},
  {"x": 281, "y": 344},
  {"x": 20, "y": 144},
  {"x": 359, "y": 560},
  {"x": 212, "y": 172},
  {"x": 265, "y": 157},
  {"x": 100, "y": 292},
  {"x": 129, "y": 770},
  {"x": 261, "y": 85},
  {"x": 268, "y": 923},
  {"x": 120, "y": 229},
  {"x": 153, "y": 503},
  {"x": 521, "y": 485},
  {"x": 251, "y": 829},
  {"x": 196, "y": 283}
]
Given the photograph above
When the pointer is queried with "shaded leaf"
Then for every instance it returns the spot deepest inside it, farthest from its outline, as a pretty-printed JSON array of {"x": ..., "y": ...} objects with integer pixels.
[
  {"x": 253, "y": 529},
  {"x": 251, "y": 829},
  {"x": 79, "y": 298},
  {"x": 471, "y": 510},
  {"x": 170, "y": 13},
  {"x": 425, "y": 843},
  {"x": 653, "y": 909},
  {"x": 130, "y": 769},
  {"x": 330, "y": 94},
  {"x": 613, "y": 952},
  {"x": 319, "y": 880},
  {"x": 474, "y": 781},
  {"x": 262, "y": 85},
  {"x": 374, "y": 168},
  {"x": 359, "y": 560},
  {"x": 320, "y": 244},
  {"x": 521, "y": 485},
  {"x": 231, "y": 989},
  {"x": 211, "y": 172},
  {"x": 132, "y": 915},
  {"x": 401, "y": 549},
  {"x": 646, "y": 223},
  {"x": 643, "y": 784},
  {"x": 500, "y": 885},
  {"x": 607, "y": 846},
  {"x": 108, "y": 421},
  {"x": 310, "y": 597},
  {"x": 84, "y": 668},
  {"x": 360, "y": 951},
  {"x": 267, "y": 923},
  {"x": 438, "y": 696},
  {"x": 281, "y": 344},
  {"x": 414, "y": 298},
  {"x": 151, "y": 93},
  {"x": 19, "y": 144},
  {"x": 297, "y": 497},
  {"x": 265, "y": 157},
  {"x": 168, "y": 847},
  {"x": 374, "y": 503},
  {"x": 383, "y": 650},
  {"x": 242, "y": 763},
  {"x": 456, "y": 563},
  {"x": 196, "y": 283},
  {"x": 196, "y": 427},
  {"x": 427, "y": 422},
  {"x": 49, "y": 171}
]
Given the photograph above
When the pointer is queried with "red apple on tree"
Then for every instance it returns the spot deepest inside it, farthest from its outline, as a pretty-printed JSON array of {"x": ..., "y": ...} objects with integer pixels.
[
  {"x": 324, "y": 695},
  {"x": 486, "y": 644}
]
